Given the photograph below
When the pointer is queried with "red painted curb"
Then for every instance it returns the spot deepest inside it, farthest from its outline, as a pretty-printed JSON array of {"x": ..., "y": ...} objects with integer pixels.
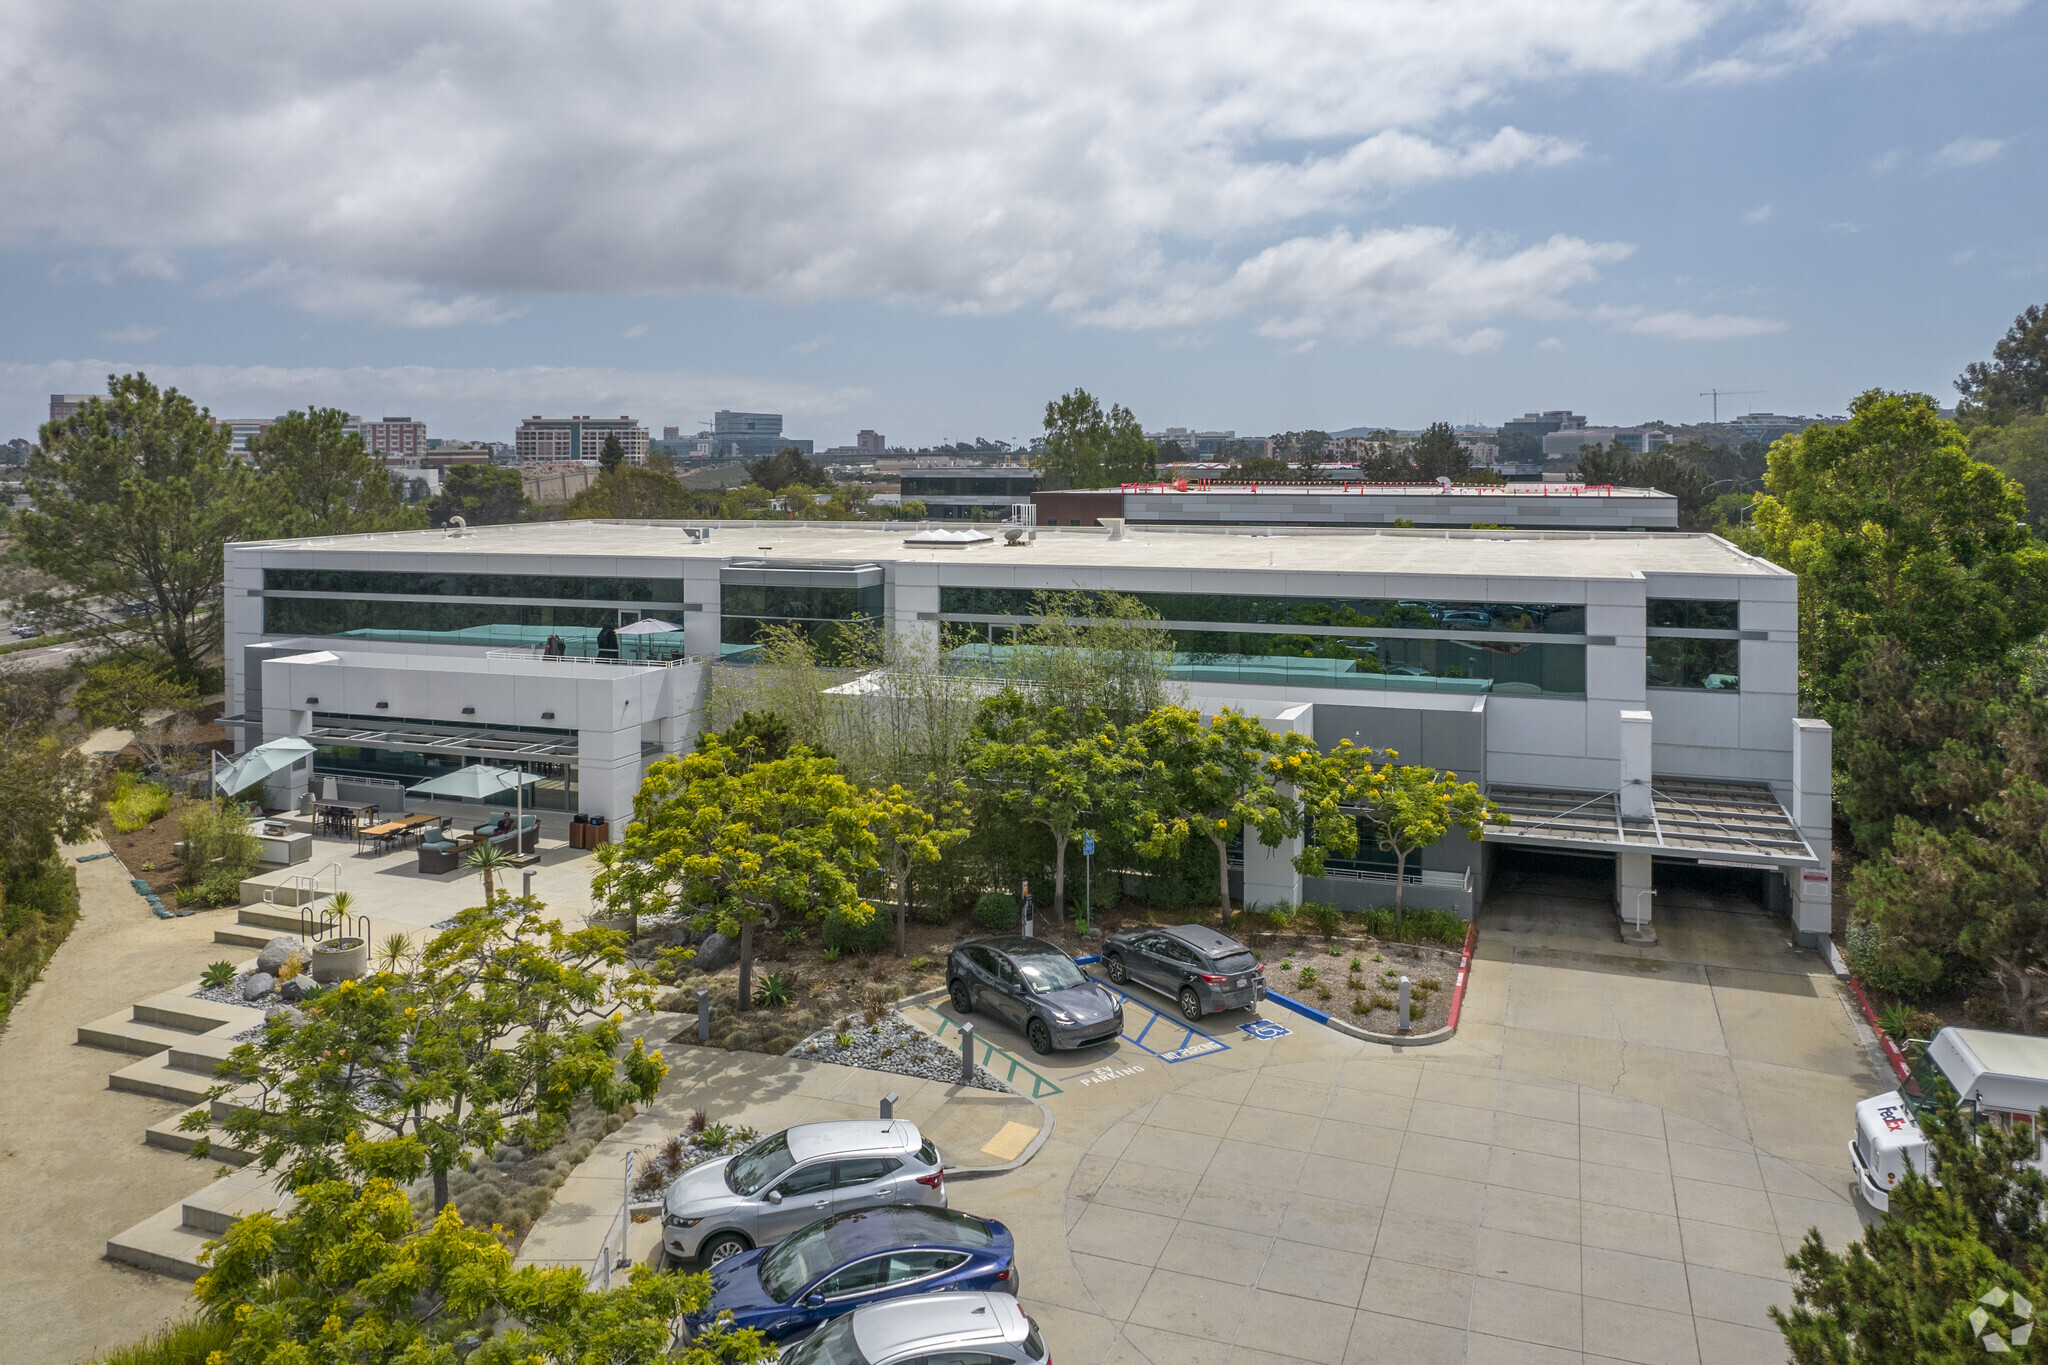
[
  {"x": 1891, "y": 1049},
  {"x": 1464, "y": 969}
]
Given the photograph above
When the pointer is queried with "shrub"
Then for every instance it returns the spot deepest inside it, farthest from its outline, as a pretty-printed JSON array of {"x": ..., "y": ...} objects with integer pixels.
[
  {"x": 996, "y": 912},
  {"x": 1279, "y": 916},
  {"x": 858, "y": 936},
  {"x": 1308, "y": 976},
  {"x": 1901, "y": 1021},
  {"x": 1986, "y": 1011},
  {"x": 1417, "y": 926},
  {"x": 136, "y": 803},
  {"x": 218, "y": 849},
  {"x": 773, "y": 992},
  {"x": 1327, "y": 919},
  {"x": 830, "y": 955},
  {"x": 217, "y": 975},
  {"x": 793, "y": 935},
  {"x": 179, "y": 1343}
]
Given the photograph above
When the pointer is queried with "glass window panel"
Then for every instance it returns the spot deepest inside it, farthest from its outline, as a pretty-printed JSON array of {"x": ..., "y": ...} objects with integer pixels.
[
  {"x": 1545, "y": 618},
  {"x": 565, "y": 587},
  {"x": 1714, "y": 665},
  {"x": 1685, "y": 613},
  {"x": 482, "y": 624}
]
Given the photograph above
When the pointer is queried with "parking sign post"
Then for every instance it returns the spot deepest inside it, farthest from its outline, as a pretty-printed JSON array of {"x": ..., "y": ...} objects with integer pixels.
[
  {"x": 1402, "y": 1005},
  {"x": 1088, "y": 890}
]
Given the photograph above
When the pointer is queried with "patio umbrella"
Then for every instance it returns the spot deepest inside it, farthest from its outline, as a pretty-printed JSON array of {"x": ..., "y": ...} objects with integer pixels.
[
  {"x": 648, "y": 625},
  {"x": 259, "y": 763},
  {"x": 478, "y": 781}
]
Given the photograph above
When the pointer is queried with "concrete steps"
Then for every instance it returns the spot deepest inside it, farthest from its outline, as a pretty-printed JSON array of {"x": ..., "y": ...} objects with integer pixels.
[
  {"x": 278, "y": 919},
  {"x": 164, "y": 1021},
  {"x": 221, "y": 1148},
  {"x": 238, "y": 936},
  {"x": 183, "y": 1072},
  {"x": 170, "y": 1242}
]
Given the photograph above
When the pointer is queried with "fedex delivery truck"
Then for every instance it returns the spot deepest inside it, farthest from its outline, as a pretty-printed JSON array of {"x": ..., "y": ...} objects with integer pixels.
[{"x": 2004, "y": 1076}]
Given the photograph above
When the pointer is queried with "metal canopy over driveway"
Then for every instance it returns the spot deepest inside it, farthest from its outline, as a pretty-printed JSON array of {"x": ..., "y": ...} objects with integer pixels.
[{"x": 1736, "y": 822}]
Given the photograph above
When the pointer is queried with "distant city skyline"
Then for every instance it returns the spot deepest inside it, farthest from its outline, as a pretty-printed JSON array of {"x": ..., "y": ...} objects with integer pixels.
[{"x": 1612, "y": 207}]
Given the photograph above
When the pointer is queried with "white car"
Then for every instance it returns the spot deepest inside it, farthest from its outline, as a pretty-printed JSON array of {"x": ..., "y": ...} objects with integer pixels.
[{"x": 987, "y": 1329}]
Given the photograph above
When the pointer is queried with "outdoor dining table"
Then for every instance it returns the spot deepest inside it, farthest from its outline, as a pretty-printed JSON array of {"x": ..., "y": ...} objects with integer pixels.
[
  {"x": 393, "y": 831},
  {"x": 342, "y": 817}
]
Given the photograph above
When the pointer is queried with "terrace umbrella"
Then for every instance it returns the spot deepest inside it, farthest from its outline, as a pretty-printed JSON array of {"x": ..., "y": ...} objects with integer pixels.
[
  {"x": 478, "y": 781},
  {"x": 259, "y": 763},
  {"x": 648, "y": 625}
]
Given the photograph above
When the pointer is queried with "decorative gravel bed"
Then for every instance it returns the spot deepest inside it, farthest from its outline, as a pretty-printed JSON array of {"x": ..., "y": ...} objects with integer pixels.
[
  {"x": 893, "y": 1044},
  {"x": 230, "y": 994}
]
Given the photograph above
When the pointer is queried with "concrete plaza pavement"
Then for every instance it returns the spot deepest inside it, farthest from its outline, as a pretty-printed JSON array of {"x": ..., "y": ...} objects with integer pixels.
[{"x": 1610, "y": 1162}]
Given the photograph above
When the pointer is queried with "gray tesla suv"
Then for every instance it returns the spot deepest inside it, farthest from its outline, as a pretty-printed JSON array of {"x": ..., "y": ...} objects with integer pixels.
[
  {"x": 1034, "y": 988},
  {"x": 1204, "y": 971}
]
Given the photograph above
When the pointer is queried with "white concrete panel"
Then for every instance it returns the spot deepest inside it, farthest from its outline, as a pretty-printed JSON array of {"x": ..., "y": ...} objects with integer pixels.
[
  {"x": 1731, "y": 765},
  {"x": 1565, "y": 774},
  {"x": 1535, "y": 726},
  {"x": 1770, "y": 666},
  {"x": 1635, "y": 730},
  {"x": 1695, "y": 717},
  {"x": 1767, "y": 720},
  {"x": 1614, "y": 673}
]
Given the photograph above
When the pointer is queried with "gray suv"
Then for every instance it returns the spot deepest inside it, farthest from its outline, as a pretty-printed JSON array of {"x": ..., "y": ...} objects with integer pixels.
[
  {"x": 1204, "y": 971},
  {"x": 794, "y": 1178},
  {"x": 974, "y": 1328},
  {"x": 1036, "y": 989}
]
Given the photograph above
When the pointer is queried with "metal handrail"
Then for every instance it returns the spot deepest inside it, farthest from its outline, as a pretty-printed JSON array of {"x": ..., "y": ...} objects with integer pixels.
[
  {"x": 309, "y": 882},
  {"x": 535, "y": 656}
]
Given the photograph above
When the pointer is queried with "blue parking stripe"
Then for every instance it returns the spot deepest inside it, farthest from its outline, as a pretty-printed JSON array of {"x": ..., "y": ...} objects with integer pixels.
[{"x": 1188, "y": 1046}]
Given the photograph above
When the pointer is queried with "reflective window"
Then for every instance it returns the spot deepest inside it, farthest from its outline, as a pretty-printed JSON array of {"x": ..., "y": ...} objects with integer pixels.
[
  {"x": 840, "y": 622},
  {"x": 1714, "y": 665},
  {"x": 584, "y": 632},
  {"x": 1685, "y": 613},
  {"x": 560, "y": 587},
  {"x": 1544, "y": 618}
]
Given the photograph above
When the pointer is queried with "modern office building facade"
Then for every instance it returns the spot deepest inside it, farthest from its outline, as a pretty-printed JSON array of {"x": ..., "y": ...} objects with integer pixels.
[
  {"x": 543, "y": 440},
  {"x": 1541, "y": 424},
  {"x": 1194, "y": 502},
  {"x": 394, "y": 436},
  {"x": 1566, "y": 444},
  {"x": 1627, "y": 697},
  {"x": 974, "y": 493}
]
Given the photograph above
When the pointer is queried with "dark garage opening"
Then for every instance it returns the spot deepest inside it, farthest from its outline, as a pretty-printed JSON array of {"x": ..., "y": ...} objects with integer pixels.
[
  {"x": 1551, "y": 872},
  {"x": 1685, "y": 885}
]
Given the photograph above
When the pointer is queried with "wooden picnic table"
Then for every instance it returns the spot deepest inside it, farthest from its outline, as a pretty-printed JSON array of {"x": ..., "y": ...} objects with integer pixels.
[{"x": 394, "y": 829}]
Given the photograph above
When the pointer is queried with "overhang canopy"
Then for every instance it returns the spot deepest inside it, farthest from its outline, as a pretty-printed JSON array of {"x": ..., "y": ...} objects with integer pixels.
[
  {"x": 1713, "y": 821},
  {"x": 432, "y": 739}
]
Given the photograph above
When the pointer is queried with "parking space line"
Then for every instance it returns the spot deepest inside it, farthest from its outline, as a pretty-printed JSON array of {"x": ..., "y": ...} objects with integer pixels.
[{"x": 1189, "y": 1046}]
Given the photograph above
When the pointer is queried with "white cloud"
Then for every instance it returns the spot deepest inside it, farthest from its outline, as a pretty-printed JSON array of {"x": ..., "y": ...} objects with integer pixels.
[
  {"x": 1015, "y": 153},
  {"x": 1550, "y": 344},
  {"x": 1969, "y": 151},
  {"x": 1963, "y": 257},
  {"x": 1884, "y": 163},
  {"x": 479, "y": 403},
  {"x": 134, "y": 334},
  {"x": 635, "y": 332},
  {"x": 1760, "y": 214},
  {"x": 1680, "y": 325}
]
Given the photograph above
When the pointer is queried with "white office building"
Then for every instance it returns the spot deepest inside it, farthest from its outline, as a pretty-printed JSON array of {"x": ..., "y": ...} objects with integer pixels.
[{"x": 1628, "y": 697}]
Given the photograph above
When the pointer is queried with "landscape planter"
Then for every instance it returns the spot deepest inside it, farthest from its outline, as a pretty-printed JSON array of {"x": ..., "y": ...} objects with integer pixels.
[{"x": 340, "y": 959}]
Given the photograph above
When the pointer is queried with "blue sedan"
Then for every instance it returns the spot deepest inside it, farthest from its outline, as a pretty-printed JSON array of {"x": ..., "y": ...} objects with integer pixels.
[{"x": 839, "y": 1263}]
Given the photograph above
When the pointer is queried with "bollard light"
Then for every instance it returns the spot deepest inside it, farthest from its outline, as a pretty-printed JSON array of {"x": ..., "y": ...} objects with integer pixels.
[
  {"x": 1402, "y": 1005},
  {"x": 888, "y": 1106},
  {"x": 704, "y": 1014},
  {"x": 526, "y": 887},
  {"x": 967, "y": 1054}
]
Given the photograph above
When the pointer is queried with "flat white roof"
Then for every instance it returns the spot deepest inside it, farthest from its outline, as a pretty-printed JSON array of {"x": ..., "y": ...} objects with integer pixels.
[{"x": 1523, "y": 553}]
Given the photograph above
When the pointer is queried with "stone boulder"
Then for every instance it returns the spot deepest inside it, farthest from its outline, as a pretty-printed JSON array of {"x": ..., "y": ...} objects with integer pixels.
[
  {"x": 715, "y": 953},
  {"x": 258, "y": 986},
  {"x": 292, "y": 991},
  {"x": 276, "y": 951}
]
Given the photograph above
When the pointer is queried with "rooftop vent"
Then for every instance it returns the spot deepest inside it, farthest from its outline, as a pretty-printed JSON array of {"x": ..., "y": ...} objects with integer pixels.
[
  {"x": 947, "y": 540},
  {"x": 1114, "y": 525}
]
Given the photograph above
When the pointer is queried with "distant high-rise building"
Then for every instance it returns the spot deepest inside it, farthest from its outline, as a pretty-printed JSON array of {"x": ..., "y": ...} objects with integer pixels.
[
  {"x": 671, "y": 433},
  {"x": 870, "y": 443},
  {"x": 62, "y": 405},
  {"x": 1541, "y": 424},
  {"x": 725, "y": 423},
  {"x": 393, "y": 435},
  {"x": 545, "y": 440}
]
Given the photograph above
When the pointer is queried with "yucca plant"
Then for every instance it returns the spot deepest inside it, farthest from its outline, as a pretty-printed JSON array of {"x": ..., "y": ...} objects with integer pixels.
[{"x": 394, "y": 954}]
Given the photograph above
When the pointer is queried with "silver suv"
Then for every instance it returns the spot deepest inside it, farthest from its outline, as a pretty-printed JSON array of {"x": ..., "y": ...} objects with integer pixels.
[
  {"x": 794, "y": 1178},
  {"x": 977, "y": 1327}
]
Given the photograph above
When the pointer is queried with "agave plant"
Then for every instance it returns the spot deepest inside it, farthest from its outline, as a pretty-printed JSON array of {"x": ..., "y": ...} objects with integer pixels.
[
  {"x": 217, "y": 975},
  {"x": 774, "y": 990}
]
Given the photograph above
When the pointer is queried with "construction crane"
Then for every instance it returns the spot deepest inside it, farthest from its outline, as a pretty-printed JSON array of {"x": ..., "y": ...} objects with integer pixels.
[{"x": 1718, "y": 394}]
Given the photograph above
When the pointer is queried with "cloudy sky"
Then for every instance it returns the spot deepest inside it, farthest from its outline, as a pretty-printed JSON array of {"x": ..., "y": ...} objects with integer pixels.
[{"x": 928, "y": 218}]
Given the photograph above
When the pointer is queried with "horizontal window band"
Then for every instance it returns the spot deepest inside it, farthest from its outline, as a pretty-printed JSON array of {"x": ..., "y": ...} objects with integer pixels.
[
  {"x": 1472, "y": 637},
  {"x": 1681, "y": 633},
  {"x": 475, "y": 601}
]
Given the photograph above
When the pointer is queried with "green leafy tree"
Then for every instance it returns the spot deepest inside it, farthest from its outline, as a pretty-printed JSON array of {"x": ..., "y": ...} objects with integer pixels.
[
  {"x": 315, "y": 478},
  {"x": 504, "y": 1021},
  {"x": 1043, "y": 768},
  {"x": 132, "y": 498},
  {"x": 1978, "y": 891},
  {"x": 1250, "y": 468},
  {"x": 1086, "y": 447},
  {"x": 2014, "y": 382},
  {"x": 1437, "y": 454},
  {"x": 745, "y": 845},
  {"x": 611, "y": 456},
  {"x": 349, "y": 1276},
  {"x": 1897, "y": 534},
  {"x": 629, "y": 493},
  {"x": 482, "y": 495},
  {"x": 2019, "y": 450},
  {"x": 1618, "y": 465},
  {"x": 1406, "y": 809},
  {"x": 120, "y": 692},
  {"x": 1905, "y": 1294},
  {"x": 1220, "y": 781},
  {"x": 785, "y": 467},
  {"x": 909, "y": 836}
]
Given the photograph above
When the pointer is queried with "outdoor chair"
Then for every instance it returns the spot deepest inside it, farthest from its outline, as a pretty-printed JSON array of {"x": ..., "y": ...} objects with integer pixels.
[{"x": 439, "y": 853}]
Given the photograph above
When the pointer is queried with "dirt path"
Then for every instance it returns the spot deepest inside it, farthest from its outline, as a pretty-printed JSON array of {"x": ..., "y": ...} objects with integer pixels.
[{"x": 73, "y": 1166}]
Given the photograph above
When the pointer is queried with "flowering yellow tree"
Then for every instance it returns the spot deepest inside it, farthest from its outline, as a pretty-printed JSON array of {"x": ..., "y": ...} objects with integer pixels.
[
  {"x": 1227, "y": 778},
  {"x": 1402, "y": 809}
]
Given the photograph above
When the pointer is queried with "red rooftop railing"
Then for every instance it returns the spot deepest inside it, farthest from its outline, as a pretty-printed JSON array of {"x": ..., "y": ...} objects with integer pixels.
[{"x": 1520, "y": 490}]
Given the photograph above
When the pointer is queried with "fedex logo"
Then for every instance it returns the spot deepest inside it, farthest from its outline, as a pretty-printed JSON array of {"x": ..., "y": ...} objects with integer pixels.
[{"x": 1894, "y": 1117}]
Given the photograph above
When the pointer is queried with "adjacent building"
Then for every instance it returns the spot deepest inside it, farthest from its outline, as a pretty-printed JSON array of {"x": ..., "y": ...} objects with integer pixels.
[
  {"x": 1566, "y": 443},
  {"x": 544, "y": 440},
  {"x": 1197, "y": 502},
  {"x": 971, "y": 493},
  {"x": 399, "y": 436},
  {"x": 871, "y": 443},
  {"x": 1542, "y": 424},
  {"x": 1630, "y": 699},
  {"x": 62, "y": 405}
]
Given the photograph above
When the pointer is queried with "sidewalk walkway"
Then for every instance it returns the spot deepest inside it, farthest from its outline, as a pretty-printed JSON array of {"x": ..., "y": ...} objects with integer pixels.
[{"x": 974, "y": 1129}]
